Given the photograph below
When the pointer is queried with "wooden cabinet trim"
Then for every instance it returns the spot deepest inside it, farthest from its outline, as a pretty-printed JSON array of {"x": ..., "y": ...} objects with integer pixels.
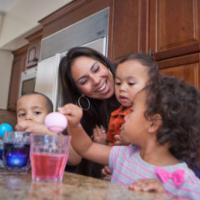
[
  {"x": 182, "y": 60},
  {"x": 68, "y": 14}
]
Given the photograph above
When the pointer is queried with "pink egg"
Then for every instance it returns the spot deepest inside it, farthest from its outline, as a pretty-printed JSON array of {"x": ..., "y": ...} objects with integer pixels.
[{"x": 56, "y": 122}]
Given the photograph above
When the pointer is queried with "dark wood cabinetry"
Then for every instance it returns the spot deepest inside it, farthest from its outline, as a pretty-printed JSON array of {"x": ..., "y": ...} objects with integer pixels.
[
  {"x": 169, "y": 29},
  {"x": 127, "y": 23},
  {"x": 174, "y": 37},
  {"x": 17, "y": 68},
  {"x": 174, "y": 27},
  {"x": 129, "y": 27},
  {"x": 184, "y": 67},
  {"x": 24, "y": 58}
]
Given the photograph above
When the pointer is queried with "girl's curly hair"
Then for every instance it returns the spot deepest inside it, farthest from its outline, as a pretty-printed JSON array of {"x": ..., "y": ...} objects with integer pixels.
[{"x": 178, "y": 104}]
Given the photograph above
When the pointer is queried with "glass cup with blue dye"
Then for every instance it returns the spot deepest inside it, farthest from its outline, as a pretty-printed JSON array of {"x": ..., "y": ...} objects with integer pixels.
[{"x": 16, "y": 150}]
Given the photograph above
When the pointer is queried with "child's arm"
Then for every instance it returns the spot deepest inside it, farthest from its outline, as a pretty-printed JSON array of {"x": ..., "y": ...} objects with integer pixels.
[
  {"x": 74, "y": 158},
  {"x": 33, "y": 127},
  {"x": 81, "y": 142}
]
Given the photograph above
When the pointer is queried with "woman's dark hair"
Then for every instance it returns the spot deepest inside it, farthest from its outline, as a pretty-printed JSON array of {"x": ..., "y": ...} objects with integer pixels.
[
  {"x": 146, "y": 60},
  {"x": 66, "y": 63},
  {"x": 99, "y": 111},
  {"x": 178, "y": 104}
]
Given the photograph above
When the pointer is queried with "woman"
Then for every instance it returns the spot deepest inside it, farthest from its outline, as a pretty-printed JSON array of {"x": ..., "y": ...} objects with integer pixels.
[{"x": 87, "y": 79}]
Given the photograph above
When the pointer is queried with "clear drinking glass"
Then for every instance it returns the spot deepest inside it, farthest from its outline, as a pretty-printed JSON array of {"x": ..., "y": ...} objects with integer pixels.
[
  {"x": 49, "y": 155},
  {"x": 16, "y": 150}
]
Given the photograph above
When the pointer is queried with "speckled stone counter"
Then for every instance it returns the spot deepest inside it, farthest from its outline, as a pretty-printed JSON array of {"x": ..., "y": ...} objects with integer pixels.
[{"x": 18, "y": 186}]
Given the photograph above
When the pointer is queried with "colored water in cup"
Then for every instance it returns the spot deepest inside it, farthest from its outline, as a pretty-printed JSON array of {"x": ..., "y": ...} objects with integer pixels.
[
  {"x": 16, "y": 151},
  {"x": 49, "y": 155}
]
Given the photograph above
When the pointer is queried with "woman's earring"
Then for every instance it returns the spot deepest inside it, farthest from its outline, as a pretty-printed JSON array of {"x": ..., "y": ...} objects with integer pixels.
[{"x": 84, "y": 102}]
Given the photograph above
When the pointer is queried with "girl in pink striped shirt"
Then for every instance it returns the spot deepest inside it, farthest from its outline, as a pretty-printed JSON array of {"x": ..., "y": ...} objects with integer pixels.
[{"x": 164, "y": 131}]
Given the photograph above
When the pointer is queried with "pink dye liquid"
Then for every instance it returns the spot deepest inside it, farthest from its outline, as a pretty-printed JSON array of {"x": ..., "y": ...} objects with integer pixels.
[{"x": 48, "y": 167}]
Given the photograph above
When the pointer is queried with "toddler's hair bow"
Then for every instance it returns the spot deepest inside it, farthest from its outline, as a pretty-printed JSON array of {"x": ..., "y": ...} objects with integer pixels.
[{"x": 177, "y": 176}]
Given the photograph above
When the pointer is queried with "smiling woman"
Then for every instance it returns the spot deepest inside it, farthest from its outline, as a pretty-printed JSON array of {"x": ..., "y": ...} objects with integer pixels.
[
  {"x": 92, "y": 78},
  {"x": 87, "y": 77}
]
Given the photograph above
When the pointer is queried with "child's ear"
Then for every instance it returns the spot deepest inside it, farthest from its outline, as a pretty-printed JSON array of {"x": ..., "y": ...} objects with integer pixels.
[{"x": 156, "y": 122}]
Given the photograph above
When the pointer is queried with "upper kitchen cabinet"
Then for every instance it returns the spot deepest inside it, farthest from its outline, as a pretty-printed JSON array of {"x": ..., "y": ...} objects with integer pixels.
[
  {"x": 33, "y": 51},
  {"x": 174, "y": 27},
  {"x": 126, "y": 26},
  {"x": 17, "y": 68},
  {"x": 129, "y": 28},
  {"x": 185, "y": 67}
]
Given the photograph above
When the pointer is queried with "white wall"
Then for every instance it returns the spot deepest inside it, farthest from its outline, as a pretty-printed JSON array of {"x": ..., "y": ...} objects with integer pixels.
[
  {"x": 6, "y": 59},
  {"x": 25, "y": 15},
  {"x": 17, "y": 22}
]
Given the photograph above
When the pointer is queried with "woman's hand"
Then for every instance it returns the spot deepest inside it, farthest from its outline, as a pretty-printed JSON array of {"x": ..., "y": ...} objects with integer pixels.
[
  {"x": 99, "y": 135},
  {"x": 73, "y": 114},
  {"x": 147, "y": 185}
]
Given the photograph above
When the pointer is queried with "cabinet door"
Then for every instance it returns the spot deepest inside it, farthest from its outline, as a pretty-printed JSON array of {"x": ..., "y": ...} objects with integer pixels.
[
  {"x": 17, "y": 68},
  {"x": 186, "y": 68},
  {"x": 128, "y": 27},
  {"x": 187, "y": 73},
  {"x": 14, "y": 85},
  {"x": 174, "y": 27}
]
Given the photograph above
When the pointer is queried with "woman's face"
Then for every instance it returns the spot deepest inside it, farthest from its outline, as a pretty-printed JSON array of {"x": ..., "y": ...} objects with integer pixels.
[{"x": 92, "y": 78}]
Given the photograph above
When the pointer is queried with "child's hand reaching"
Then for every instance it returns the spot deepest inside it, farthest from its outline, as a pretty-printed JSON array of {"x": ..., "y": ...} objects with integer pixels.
[
  {"x": 73, "y": 114},
  {"x": 99, "y": 135},
  {"x": 32, "y": 126},
  {"x": 147, "y": 185},
  {"x": 120, "y": 141},
  {"x": 106, "y": 172}
]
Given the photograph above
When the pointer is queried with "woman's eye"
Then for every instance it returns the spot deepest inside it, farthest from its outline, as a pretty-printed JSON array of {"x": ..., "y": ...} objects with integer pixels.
[
  {"x": 83, "y": 81},
  {"x": 95, "y": 68}
]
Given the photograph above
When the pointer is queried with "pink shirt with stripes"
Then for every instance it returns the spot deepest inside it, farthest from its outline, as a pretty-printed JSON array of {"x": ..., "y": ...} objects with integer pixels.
[{"x": 127, "y": 167}]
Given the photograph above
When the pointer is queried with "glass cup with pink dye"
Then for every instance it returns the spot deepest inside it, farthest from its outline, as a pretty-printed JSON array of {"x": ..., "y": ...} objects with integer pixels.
[{"x": 49, "y": 155}]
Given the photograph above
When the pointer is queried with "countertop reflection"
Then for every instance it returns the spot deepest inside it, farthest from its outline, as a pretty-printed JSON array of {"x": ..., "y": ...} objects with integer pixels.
[{"x": 18, "y": 186}]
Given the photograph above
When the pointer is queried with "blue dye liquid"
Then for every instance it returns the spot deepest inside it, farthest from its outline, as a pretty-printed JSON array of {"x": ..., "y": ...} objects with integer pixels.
[
  {"x": 16, "y": 156},
  {"x": 1, "y": 154}
]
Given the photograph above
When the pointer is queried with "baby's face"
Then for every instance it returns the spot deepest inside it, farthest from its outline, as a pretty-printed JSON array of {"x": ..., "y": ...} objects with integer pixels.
[
  {"x": 31, "y": 107},
  {"x": 131, "y": 77}
]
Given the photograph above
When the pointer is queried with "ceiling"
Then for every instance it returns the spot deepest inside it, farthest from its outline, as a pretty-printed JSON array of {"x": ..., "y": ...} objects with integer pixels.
[{"x": 6, "y": 5}]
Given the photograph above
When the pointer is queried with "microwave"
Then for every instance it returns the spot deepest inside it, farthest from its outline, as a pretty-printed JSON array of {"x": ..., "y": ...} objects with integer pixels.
[{"x": 27, "y": 81}]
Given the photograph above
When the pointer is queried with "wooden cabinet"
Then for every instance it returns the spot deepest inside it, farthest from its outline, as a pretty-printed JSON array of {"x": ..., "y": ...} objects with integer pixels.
[
  {"x": 174, "y": 27},
  {"x": 129, "y": 30},
  {"x": 127, "y": 23},
  {"x": 24, "y": 58},
  {"x": 174, "y": 37},
  {"x": 169, "y": 29},
  {"x": 17, "y": 68},
  {"x": 183, "y": 67}
]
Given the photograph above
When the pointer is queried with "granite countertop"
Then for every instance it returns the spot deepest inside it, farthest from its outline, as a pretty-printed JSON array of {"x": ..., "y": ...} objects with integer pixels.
[{"x": 18, "y": 186}]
